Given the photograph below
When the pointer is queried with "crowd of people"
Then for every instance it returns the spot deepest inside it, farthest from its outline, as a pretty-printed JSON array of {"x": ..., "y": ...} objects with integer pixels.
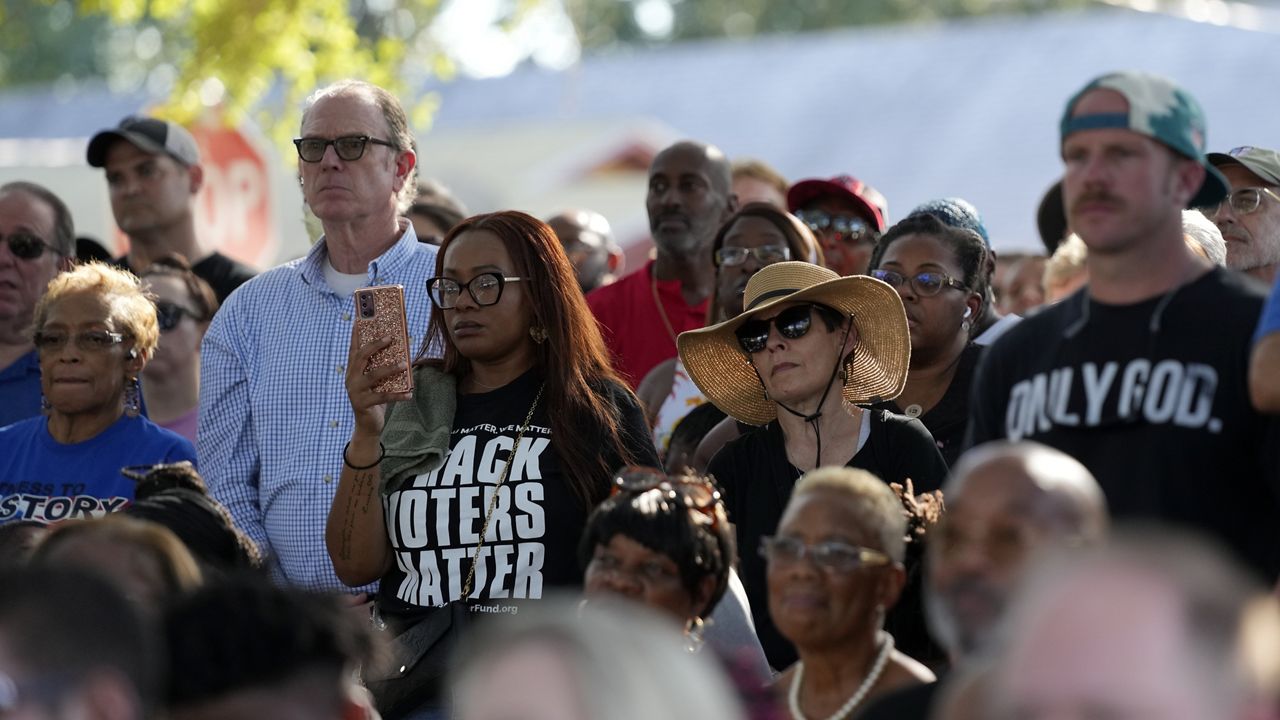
[{"x": 805, "y": 462}]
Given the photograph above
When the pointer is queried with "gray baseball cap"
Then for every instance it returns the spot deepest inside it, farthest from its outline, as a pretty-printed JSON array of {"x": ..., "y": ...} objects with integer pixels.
[
  {"x": 1260, "y": 161},
  {"x": 149, "y": 134}
]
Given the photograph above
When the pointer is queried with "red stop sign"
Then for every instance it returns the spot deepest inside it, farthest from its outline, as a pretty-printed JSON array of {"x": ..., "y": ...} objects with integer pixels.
[{"x": 234, "y": 214}]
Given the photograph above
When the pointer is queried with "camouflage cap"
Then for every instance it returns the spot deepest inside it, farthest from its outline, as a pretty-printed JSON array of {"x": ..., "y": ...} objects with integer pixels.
[
  {"x": 1260, "y": 161},
  {"x": 1160, "y": 110}
]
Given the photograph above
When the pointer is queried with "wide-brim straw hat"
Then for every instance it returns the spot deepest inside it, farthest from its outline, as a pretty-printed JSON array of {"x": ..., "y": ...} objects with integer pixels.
[{"x": 723, "y": 372}]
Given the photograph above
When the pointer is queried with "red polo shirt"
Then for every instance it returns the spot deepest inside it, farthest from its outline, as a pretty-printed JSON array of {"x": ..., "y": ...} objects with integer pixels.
[{"x": 633, "y": 327}]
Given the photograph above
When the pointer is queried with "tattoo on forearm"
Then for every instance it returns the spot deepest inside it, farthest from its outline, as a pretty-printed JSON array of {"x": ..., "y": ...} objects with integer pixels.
[{"x": 359, "y": 500}]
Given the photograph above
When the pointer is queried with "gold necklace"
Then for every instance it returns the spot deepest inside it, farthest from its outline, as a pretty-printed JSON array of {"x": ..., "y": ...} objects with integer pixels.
[{"x": 657, "y": 303}]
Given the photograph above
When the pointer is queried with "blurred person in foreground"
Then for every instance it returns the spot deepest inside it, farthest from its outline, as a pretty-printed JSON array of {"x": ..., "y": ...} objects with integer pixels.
[
  {"x": 1249, "y": 216},
  {"x": 1142, "y": 376},
  {"x": 808, "y": 351},
  {"x": 467, "y": 497},
  {"x": 939, "y": 272},
  {"x": 154, "y": 177},
  {"x": 72, "y": 647},
  {"x": 756, "y": 236},
  {"x": 588, "y": 241},
  {"x": 845, "y": 214},
  {"x": 640, "y": 315},
  {"x": 554, "y": 662},
  {"x": 244, "y": 650},
  {"x": 665, "y": 541},
  {"x": 835, "y": 569},
  {"x": 1144, "y": 627},
  {"x": 95, "y": 330},
  {"x": 185, "y": 305},
  {"x": 274, "y": 412},
  {"x": 1005, "y": 504},
  {"x": 37, "y": 241}
]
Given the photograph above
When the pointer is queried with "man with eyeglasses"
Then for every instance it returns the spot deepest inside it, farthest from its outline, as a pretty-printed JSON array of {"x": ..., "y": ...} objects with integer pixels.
[
  {"x": 274, "y": 411},
  {"x": 1249, "y": 217},
  {"x": 847, "y": 216},
  {"x": 1007, "y": 504},
  {"x": 37, "y": 241},
  {"x": 1142, "y": 375},
  {"x": 154, "y": 176}
]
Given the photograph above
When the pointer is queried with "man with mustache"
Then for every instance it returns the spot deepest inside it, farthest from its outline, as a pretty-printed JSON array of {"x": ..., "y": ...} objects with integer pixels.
[
  {"x": 1141, "y": 375},
  {"x": 274, "y": 410},
  {"x": 1249, "y": 217},
  {"x": 154, "y": 176},
  {"x": 1006, "y": 504},
  {"x": 690, "y": 195}
]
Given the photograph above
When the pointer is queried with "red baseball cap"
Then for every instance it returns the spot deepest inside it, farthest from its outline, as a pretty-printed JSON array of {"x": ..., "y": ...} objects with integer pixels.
[{"x": 845, "y": 186}]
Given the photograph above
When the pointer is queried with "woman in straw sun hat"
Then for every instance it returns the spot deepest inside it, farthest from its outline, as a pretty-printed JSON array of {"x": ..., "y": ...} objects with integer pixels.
[{"x": 807, "y": 350}]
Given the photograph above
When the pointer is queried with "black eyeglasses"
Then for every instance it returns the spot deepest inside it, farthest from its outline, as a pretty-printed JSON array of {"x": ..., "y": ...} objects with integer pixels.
[
  {"x": 1242, "y": 201},
  {"x": 696, "y": 492},
  {"x": 925, "y": 283},
  {"x": 792, "y": 323},
  {"x": 26, "y": 246},
  {"x": 852, "y": 227},
  {"x": 349, "y": 148},
  {"x": 168, "y": 315},
  {"x": 832, "y": 556},
  {"x": 485, "y": 289},
  {"x": 87, "y": 341},
  {"x": 764, "y": 255}
]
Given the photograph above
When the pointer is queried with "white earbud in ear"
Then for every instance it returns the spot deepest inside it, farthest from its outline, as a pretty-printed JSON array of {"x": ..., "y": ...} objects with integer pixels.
[{"x": 968, "y": 311}]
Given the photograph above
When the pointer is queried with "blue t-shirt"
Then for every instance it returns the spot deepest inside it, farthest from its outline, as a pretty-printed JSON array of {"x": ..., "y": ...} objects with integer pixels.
[
  {"x": 20, "y": 388},
  {"x": 1270, "y": 321},
  {"x": 42, "y": 479}
]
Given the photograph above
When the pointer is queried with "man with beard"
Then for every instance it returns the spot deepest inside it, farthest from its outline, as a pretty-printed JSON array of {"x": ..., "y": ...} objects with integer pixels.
[
  {"x": 1249, "y": 217},
  {"x": 1143, "y": 377},
  {"x": 689, "y": 197},
  {"x": 1006, "y": 504}
]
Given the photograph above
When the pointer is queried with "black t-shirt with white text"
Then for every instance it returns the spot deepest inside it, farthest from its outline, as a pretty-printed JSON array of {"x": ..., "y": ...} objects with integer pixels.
[
  {"x": 434, "y": 521},
  {"x": 1153, "y": 398}
]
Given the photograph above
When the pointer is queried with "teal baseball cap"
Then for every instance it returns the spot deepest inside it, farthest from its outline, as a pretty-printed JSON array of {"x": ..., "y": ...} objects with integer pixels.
[{"x": 1160, "y": 110}]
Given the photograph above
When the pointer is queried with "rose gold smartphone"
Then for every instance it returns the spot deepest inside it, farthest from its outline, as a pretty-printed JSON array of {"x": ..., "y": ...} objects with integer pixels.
[{"x": 380, "y": 313}]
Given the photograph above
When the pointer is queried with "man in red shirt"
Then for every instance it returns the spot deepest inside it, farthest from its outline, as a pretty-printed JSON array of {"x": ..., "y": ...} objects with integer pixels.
[{"x": 640, "y": 315}]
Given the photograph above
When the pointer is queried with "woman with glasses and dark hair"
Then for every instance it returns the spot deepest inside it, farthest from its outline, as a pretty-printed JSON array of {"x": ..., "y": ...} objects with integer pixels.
[
  {"x": 185, "y": 304},
  {"x": 835, "y": 567},
  {"x": 94, "y": 331},
  {"x": 475, "y": 486},
  {"x": 665, "y": 541},
  {"x": 809, "y": 350},
  {"x": 756, "y": 236},
  {"x": 938, "y": 270}
]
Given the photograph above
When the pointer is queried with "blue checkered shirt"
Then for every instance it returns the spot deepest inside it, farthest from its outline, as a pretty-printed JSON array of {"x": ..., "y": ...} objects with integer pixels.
[{"x": 274, "y": 412}]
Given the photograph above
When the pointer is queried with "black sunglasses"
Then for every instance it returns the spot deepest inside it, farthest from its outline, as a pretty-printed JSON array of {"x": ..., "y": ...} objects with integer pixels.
[
  {"x": 792, "y": 323},
  {"x": 168, "y": 315},
  {"x": 349, "y": 148},
  {"x": 26, "y": 246}
]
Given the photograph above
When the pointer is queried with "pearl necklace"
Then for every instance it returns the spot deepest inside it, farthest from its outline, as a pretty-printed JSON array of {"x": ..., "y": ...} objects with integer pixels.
[{"x": 877, "y": 667}]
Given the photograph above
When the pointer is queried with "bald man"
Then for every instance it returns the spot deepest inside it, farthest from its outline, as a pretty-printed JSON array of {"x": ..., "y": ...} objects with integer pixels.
[
  {"x": 1006, "y": 503},
  {"x": 588, "y": 241},
  {"x": 690, "y": 195}
]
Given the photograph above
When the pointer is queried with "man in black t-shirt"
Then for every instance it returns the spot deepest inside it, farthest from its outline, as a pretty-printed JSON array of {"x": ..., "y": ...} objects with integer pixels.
[
  {"x": 153, "y": 175},
  {"x": 1142, "y": 375}
]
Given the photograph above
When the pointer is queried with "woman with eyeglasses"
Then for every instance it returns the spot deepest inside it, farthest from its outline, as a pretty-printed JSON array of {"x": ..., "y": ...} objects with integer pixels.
[
  {"x": 665, "y": 541},
  {"x": 808, "y": 352},
  {"x": 475, "y": 487},
  {"x": 937, "y": 270},
  {"x": 185, "y": 304},
  {"x": 835, "y": 568},
  {"x": 755, "y": 236},
  {"x": 94, "y": 330}
]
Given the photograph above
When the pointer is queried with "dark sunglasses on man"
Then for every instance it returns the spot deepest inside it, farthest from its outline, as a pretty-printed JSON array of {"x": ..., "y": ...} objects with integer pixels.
[
  {"x": 26, "y": 246},
  {"x": 349, "y": 147}
]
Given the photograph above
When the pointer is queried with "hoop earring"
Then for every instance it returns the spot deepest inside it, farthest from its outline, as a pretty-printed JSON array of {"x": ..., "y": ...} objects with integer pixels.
[
  {"x": 538, "y": 333},
  {"x": 133, "y": 398}
]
